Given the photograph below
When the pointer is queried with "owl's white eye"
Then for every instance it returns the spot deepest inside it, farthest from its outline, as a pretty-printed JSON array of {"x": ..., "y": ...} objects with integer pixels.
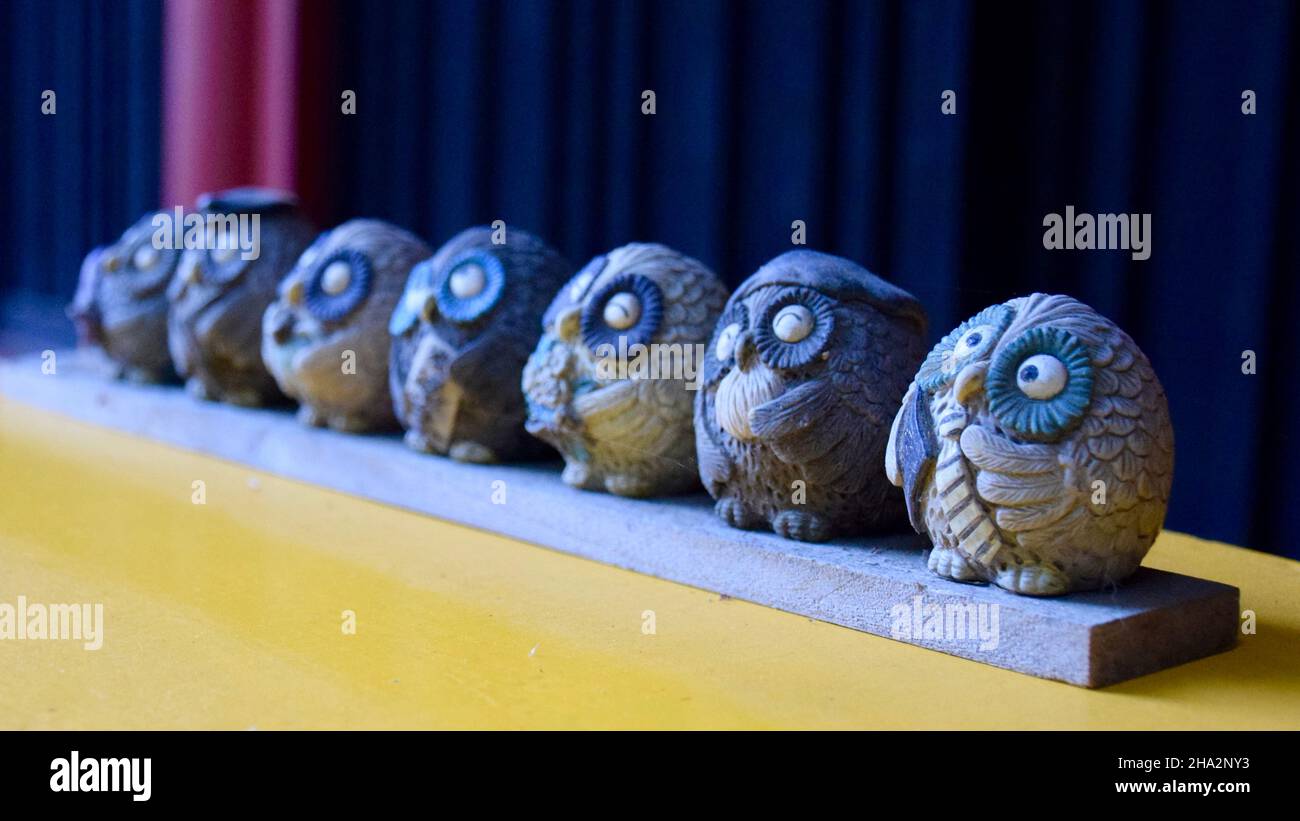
[
  {"x": 972, "y": 340},
  {"x": 792, "y": 323},
  {"x": 622, "y": 311},
  {"x": 467, "y": 281},
  {"x": 579, "y": 286},
  {"x": 726, "y": 341},
  {"x": 1041, "y": 376},
  {"x": 145, "y": 257},
  {"x": 222, "y": 245},
  {"x": 336, "y": 277}
]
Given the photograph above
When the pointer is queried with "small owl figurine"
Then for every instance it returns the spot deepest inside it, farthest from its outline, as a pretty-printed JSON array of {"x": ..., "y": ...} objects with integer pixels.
[
  {"x": 219, "y": 294},
  {"x": 326, "y": 337},
  {"x": 803, "y": 375},
  {"x": 468, "y": 320},
  {"x": 121, "y": 303},
  {"x": 610, "y": 382},
  {"x": 1034, "y": 449}
]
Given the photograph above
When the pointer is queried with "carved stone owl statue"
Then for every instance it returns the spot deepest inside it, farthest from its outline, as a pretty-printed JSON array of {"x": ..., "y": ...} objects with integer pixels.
[
  {"x": 326, "y": 337},
  {"x": 121, "y": 303},
  {"x": 1034, "y": 449},
  {"x": 468, "y": 320},
  {"x": 610, "y": 382},
  {"x": 222, "y": 289},
  {"x": 803, "y": 375}
]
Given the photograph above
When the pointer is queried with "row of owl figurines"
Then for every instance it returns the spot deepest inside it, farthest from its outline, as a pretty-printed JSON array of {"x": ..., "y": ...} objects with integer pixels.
[{"x": 1032, "y": 445}]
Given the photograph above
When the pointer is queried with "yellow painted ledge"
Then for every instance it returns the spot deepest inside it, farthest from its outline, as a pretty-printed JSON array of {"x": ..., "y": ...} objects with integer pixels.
[{"x": 228, "y": 615}]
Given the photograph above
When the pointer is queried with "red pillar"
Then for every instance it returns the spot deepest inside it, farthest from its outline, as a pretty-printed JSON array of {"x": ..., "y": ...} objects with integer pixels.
[{"x": 230, "y": 96}]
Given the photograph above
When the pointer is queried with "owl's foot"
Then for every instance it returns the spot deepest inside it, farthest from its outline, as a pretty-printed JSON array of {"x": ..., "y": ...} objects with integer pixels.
[
  {"x": 141, "y": 376},
  {"x": 346, "y": 423},
  {"x": 629, "y": 486},
  {"x": 472, "y": 452},
  {"x": 578, "y": 475},
  {"x": 195, "y": 387},
  {"x": 1032, "y": 580},
  {"x": 416, "y": 441},
  {"x": 243, "y": 397},
  {"x": 801, "y": 526},
  {"x": 734, "y": 513},
  {"x": 310, "y": 416},
  {"x": 946, "y": 562}
]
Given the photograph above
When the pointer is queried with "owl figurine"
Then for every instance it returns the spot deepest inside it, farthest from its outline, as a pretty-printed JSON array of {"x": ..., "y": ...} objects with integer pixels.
[
  {"x": 121, "y": 303},
  {"x": 1034, "y": 449},
  {"x": 803, "y": 375},
  {"x": 325, "y": 338},
  {"x": 219, "y": 294},
  {"x": 464, "y": 328},
  {"x": 610, "y": 382}
]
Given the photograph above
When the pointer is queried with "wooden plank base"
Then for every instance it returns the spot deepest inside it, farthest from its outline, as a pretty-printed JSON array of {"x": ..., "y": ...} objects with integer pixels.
[{"x": 878, "y": 585}]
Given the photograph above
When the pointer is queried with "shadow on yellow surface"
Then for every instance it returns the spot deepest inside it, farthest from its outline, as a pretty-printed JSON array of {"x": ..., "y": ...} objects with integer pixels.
[{"x": 230, "y": 614}]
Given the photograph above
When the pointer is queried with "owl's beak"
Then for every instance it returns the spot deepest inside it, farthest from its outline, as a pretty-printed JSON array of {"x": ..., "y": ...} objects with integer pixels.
[
  {"x": 745, "y": 351},
  {"x": 970, "y": 381},
  {"x": 568, "y": 324},
  {"x": 429, "y": 308},
  {"x": 282, "y": 325},
  {"x": 295, "y": 292}
]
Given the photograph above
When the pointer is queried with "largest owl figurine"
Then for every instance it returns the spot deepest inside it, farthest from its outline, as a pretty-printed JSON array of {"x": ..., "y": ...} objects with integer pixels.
[
  {"x": 806, "y": 368},
  {"x": 219, "y": 294},
  {"x": 121, "y": 303},
  {"x": 1034, "y": 449},
  {"x": 608, "y": 384},
  {"x": 468, "y": 320},
  {"x": 325, "y": 338}
]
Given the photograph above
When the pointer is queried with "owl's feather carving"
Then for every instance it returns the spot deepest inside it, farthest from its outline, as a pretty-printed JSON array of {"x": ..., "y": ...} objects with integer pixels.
[
  {"x": 325, "y": 338},
  {"x": 1068, "y": 490},
  {"x": 807, "y": 365},
  {"x": 608, "y": 385},
  {"x": 214, "y": 322},
  {"x": 120, "y": 305},
  {"x": 467, "y": 322}
]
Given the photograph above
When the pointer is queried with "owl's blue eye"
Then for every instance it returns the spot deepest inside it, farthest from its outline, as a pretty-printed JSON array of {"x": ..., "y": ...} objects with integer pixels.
[
  {"x": 338, "y": 285},
  {"x": 471, "y": 286},
  {"x": 223, "y": 261},
  {"x": 794, "y": 328},
  {"x": 152, "y": 268},
  {"x": 625, "y": 311},
  {"x": 1040, "y": 385},
  {"x": 971, "y": 339}
]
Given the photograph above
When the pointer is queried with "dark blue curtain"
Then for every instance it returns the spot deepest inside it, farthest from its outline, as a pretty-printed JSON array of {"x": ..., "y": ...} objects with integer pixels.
[
  {"x": 769, "y": 112},
  {"x": 78, "y": 177}
]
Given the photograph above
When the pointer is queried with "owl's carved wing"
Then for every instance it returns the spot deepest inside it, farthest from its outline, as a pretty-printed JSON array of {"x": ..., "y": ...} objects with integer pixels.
[
  {"x": 641, "y": 415},
  {"x": 715, "y": 465},
  {"x": 1026, "y": 483},
  {"x": 836, "y": 424}
]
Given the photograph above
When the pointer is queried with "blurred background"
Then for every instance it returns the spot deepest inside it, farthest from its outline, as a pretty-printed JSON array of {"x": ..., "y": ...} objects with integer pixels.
[{"x": 766, "y": 113}]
